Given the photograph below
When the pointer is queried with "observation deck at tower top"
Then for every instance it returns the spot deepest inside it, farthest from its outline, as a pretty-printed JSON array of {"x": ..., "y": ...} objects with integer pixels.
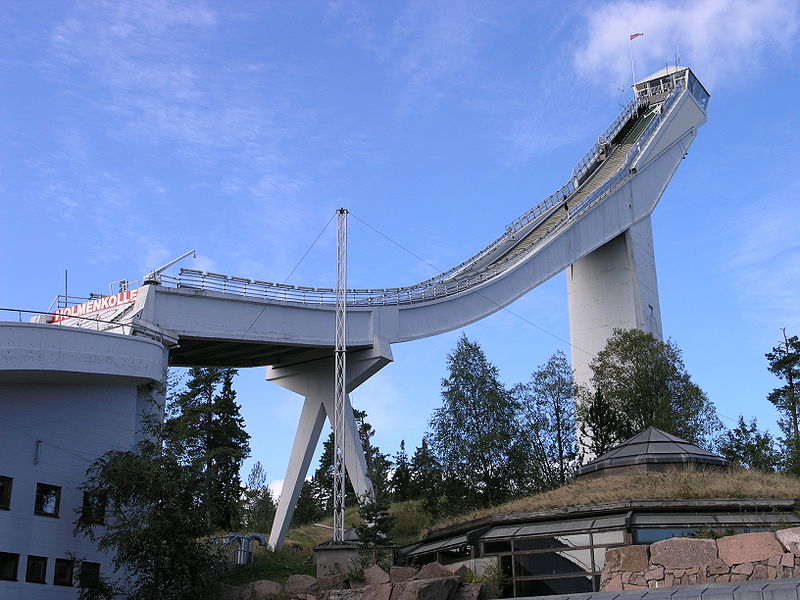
[{"x": 222, "y": 320}]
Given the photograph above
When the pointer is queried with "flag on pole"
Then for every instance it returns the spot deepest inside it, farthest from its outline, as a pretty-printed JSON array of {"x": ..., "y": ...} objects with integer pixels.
[{"x": 635, "y": 35}]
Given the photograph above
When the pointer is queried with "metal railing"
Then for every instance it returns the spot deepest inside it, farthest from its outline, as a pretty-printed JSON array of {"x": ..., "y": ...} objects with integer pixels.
[
  {"x": 444, "y": 284},
  {"x": 99, "y": 324}
]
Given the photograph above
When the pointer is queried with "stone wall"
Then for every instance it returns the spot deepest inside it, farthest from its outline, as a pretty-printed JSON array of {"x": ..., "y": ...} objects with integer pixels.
[
  {"x": 432, "y": 582},
  {"x": 691, "y": 561}
]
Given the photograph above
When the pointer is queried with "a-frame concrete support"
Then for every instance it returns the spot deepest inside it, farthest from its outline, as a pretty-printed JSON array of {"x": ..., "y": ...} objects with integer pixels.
[
  {"x": 614, "y": 286},
  {"x": 314, "y": 380}
]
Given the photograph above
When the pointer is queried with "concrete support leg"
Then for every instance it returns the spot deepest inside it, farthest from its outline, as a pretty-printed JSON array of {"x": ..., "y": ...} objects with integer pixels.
[
  {"x": 314, "y": 380},
  {"x": 613, "y": 287}
]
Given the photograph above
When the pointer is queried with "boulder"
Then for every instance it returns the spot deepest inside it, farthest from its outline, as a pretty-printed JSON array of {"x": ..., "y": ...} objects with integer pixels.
[
  {"x": 401, "y": 573},
  {"x": 749, "y": 547},
  {"x": 301, "y": 584},
  {"x": 374, "y": 575},
  {"x": 683, "y": 553},
  {"x": 261, "y": 588},
  {"x": 468, "y": 591},
  {"x": 790, "y": 538},
  {"x": 759, "y": 573},
  {"x": 336, "y": 595},
  {"x": 382, "y": 591},
  {"x": 459, "y": 571},
  {"x": 630, "y": 558},
  {"x": 787, "y": 560},
  {"x": 332, "y": 582},
  {"x": 433, "y": 570},
  {"x": 425, "y": 589}
]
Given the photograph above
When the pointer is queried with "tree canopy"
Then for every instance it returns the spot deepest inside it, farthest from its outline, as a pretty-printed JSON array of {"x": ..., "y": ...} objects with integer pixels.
[{"x": 644, "y": 382}]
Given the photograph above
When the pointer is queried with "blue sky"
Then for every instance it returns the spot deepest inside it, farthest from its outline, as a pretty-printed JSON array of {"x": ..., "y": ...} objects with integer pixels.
[{"x": 134, "y": 131}]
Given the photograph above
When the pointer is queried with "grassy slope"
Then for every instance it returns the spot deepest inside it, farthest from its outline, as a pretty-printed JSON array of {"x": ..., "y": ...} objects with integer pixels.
[
  {"x": 411, "y": 521},
  {"x": 674, "y": 485}
]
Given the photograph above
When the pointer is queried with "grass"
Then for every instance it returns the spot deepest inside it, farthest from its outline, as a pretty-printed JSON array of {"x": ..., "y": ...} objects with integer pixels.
[
  {"x": 273, "y": 566},
  {"x": 672, "y": 485}
]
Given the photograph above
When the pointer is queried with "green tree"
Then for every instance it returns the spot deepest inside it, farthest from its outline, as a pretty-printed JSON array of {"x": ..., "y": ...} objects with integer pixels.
[
  {"x": 748, "y": 447},
  {"x": 598, "y": 423},
  {"x": 547, "y": 404},
  {"x": 784, "y": 362},
  {"x": 308, "y": 509},
  {"x": 206, "y": 431},
  {"x": 474, "y": 434},
  {"x": 645, "y": 383},
  {"x": 401, "y": 485},
  {"x": 155, "y": 521},
  {"x": 426, "y": 477},
  {"x": 259, "y": 505}
]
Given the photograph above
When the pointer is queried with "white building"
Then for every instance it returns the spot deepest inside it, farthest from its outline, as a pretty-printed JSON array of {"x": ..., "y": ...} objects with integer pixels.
[{"x": 67, "y": 396}]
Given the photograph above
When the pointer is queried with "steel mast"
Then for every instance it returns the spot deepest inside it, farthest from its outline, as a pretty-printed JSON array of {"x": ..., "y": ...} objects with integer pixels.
[{"x": 340, "y": 368}]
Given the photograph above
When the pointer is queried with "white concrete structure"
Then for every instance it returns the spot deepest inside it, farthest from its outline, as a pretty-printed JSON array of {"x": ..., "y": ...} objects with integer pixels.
[
  {"x": 67, "y": 396},
  {"x": 597, "y": 225}
]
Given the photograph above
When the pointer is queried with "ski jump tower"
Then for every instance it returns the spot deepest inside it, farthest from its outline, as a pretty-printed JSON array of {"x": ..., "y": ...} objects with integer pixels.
[{"x": 597, "y": 226}]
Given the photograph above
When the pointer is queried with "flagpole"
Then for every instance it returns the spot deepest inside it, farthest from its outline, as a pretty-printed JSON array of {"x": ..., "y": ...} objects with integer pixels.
[{"x": 633, "y": 69}]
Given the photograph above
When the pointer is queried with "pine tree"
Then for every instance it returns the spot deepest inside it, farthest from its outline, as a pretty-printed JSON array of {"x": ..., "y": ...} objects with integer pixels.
[
  {"x": 426, "y": 478},
  {"x": 401, "y": 478},
  {"x": 308, "y": 509},
  {"x": 748, "y": 447},
  {"x": 259, "y": 505},
  {"x": 599, "y": 423},
  {"x": 784, "y": 362},
  {"x": 207, "y": 432}
]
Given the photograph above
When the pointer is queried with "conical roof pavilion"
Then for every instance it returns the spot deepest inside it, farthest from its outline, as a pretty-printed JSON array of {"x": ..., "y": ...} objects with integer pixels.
[{"x": 652, "y": 450}]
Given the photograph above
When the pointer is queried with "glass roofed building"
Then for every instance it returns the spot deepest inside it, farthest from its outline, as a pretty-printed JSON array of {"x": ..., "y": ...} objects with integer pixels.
[{"x": 562, "y": 550}]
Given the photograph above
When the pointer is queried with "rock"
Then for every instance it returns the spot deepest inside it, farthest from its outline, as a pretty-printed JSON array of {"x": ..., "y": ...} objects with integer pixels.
[
  {"x": 796, "y": 572},
  {"x": 787, "y": 560},
  {"x": 460, "y": 571},
  {"x": 468, "y": 591},
  {"x": 654, "y": 573},
  {"x": 748, "y": 547},
  {"x": 381, "y": 591},
  {"x": 738, "y": 577},
  {"x": 263, "y": 587},
  {"x": 790, "y": 539},
  {"x": 332, "y": 582},
  {"x": 432, "y": 570},
  {"x": 683, "y": 553},
  {"x": 401, "y": 573},
  {"x": 629, "y": 558},
  {"x": 723, "y": 578},
  {"x": 335, "y": 595},
  {"x": 742, "y": 569},
  {"x": 376, "y": 576},
  {"x": 425, "y": 589},
  {"x": 759, "y": 572},
  {"x": 301, "y": 584},
  {"x": 228, "y": 592},
  {"x": 717, "y": 567},
  {"x": 637, "y": 579},
  {"x": 774, "y": 561},
  {"x": 669, "y": 579},
  {"x": 614, "y": 584}
]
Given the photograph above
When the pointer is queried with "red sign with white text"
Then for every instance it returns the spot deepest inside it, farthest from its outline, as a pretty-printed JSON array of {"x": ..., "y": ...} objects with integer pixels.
[{"x": 99, "y": 307}]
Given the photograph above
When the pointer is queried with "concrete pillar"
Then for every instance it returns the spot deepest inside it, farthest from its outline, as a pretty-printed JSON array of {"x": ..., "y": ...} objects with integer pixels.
[
  {"x": 314, "y": 380},
  {"x": 614, "y": 286}
]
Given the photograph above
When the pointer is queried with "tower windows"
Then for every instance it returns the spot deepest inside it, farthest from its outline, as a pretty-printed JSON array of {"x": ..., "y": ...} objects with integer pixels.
[
  {"x": 36, "y": 570},
  {"x": 48, "y": 500},
  {"x": 5, "y": 492}
]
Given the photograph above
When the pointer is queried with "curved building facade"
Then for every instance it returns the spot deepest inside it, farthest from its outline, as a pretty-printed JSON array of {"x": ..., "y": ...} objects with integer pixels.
[{"x": 67, "y": 396}]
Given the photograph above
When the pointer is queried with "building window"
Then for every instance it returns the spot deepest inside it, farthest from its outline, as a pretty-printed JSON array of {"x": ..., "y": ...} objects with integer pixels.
[
  {"x": 36, "y": 570},
  {"x": 89, "y": 575},
  {"x": 93, "y": 511},
  {"x": 48, "y": 499},
  {"x": 63, "y": 572},
  {"x": 9, "y": 565},
  {"x": 5, "y": 492}
]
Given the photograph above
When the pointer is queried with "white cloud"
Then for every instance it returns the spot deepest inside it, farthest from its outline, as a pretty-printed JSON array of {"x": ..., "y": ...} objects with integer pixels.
[
  {"x": 722, "y": 40},
  {"x": 765, "y": 261},
  {"x": 276, "y": 487}
]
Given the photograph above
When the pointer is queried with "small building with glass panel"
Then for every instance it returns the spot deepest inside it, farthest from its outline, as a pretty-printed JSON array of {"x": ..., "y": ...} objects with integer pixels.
[{"x": 562, "y": 550}]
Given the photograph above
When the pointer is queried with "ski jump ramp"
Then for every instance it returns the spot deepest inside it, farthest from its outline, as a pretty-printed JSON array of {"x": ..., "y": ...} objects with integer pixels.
[{"x": 597, "y": 226}]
